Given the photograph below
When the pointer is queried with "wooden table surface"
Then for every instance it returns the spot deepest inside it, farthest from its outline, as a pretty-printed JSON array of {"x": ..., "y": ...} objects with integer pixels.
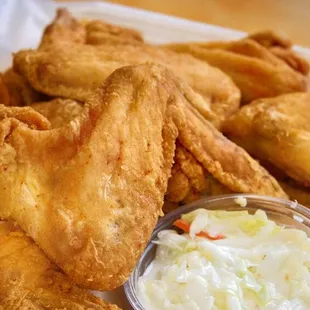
[{"x": 290, "y": 17}]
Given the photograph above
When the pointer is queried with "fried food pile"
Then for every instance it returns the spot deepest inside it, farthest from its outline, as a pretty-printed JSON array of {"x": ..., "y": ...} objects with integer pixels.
[
  {"x": 101, "y": 132},
  {"x": 261, "y": 65}
]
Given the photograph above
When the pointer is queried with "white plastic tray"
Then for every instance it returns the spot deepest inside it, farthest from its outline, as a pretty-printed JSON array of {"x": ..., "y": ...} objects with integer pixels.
[{"x": 22, "y": 22}]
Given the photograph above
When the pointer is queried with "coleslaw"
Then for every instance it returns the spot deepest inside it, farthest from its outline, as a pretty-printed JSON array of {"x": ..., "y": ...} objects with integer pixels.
[{"x": 255, "y": 264}]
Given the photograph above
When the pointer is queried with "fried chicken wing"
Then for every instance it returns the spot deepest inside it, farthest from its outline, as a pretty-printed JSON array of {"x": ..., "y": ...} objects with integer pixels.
[
  {"x": 278, "y": 130},
  {"x": 59, "y": 111},
  {"x": 75, "y": 71},
  {"x": 89, "y": 193},
  {"x": 73, "y": 202},
  {"x": 255, "y": 69},
  {"x": 29, "y": 280}
]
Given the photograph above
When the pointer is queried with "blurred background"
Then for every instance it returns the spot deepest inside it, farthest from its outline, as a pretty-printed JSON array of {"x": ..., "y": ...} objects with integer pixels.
[{"x": 290, "y": 17}]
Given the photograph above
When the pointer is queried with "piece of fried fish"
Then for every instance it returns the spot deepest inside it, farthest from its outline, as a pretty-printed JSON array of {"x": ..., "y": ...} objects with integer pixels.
[
  {"x": 89, "y": 193},
  {"x": 29, "y": 280}
]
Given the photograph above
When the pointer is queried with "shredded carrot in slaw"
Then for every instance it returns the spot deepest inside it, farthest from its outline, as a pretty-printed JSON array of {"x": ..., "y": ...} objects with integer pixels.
[{"x": 185, "y": 226}]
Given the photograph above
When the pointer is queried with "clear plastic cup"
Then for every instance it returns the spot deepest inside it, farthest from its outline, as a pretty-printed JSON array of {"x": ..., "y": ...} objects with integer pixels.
[{"x": 283, "y": 212}]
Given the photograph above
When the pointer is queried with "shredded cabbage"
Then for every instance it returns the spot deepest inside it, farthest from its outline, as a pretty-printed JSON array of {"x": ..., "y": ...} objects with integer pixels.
[{"x": 259, "y": 265}]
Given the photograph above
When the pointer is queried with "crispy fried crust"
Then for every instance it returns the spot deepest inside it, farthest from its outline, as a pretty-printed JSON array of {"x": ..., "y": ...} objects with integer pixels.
[
  {"x": 281, "y": 47},
  {"x": 18, "y": 91},
  {"x": 26, "y": 115},
  {"x": 93, "y": 201},
  {"x": 292, "y": 59},
  {"x": 98, "y": 32},
  {"x": 269, "y": 38},
  {"x": 255, "y": 70},
  {"x": 4, "y": 92},
  {"x": 276, "y": 129},
  {"x": 29, "y": 280},
  {"x": 188, "y": 178},
  {"x": 64, "y": 28},
  {"x": 296, "y": 192},
  {"x": 59, "y": 111},
  {"x": 75, "y": 71}
]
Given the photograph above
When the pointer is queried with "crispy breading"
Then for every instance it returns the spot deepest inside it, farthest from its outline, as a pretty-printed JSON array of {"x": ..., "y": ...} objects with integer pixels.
[
  {"x": 26, "y": 115},
  {"x": 281, "y": 47},
  {"x": 296, "y": 62},
  {"x": 64, "y": 28},
  {"x": 278, "y": 130},
  {"x": 18, "y": 90},
  {"x": 75, "y": 71},
  {"x": 187, "y": 178},
  {"x": 59, "y": 111},
  {"x": 269, "y": 38},
  {"x": 255, "y": 70},
  {"x": 89, "y": 193},
  {"x": 70, "y": 181},
  {"x": 99, "y": 32},
  {"x": 29, "y": 280},
  {"x": 296, "y": 192},
  {"x": 4, "y": 92}
]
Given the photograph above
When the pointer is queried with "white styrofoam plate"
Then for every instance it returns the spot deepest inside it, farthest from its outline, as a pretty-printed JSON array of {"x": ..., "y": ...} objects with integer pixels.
[{"x": 22, "y": 23}]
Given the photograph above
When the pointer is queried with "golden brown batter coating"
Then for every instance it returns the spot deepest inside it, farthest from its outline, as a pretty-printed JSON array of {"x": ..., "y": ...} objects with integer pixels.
[
  {"x": 59, "y": 111},
  {"x": 30, "y": 281},
  {"x": 278, "y": 130},
  {"x": 89, "y": 193},
  {"x": 255, "y": 69},
  {"x": 74, "y": 71}
]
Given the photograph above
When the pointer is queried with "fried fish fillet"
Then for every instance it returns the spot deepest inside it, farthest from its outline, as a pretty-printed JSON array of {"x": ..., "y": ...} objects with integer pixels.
[
  {"x": 89, "y": 193},
  {"x": 29, "y": 280},
  {"x": 278, "y": 130},
  {"x": 255, "y": 69},
  {"x": 59, "y": 111},
  {"x": 75, "y": 71},
  {"x": 17, "y": 91}
]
